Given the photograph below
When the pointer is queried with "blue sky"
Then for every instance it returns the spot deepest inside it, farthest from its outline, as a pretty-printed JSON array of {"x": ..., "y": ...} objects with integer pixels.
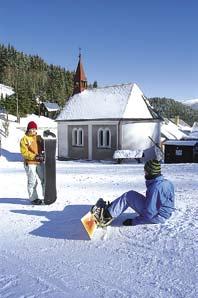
[{"x": 153, "y": 43}]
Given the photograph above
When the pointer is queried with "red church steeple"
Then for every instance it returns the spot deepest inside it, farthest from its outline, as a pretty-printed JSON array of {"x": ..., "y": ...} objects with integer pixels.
[{"x": 80, "y": 80}]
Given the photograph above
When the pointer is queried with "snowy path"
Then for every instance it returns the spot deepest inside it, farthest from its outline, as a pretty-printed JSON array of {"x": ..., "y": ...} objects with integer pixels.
[{"x": 45, "y": 252}]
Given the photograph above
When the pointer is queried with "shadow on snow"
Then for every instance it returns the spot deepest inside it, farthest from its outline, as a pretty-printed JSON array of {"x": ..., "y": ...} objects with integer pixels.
[
  {"x": 64, "y": 224},
  {"x": 17, "y": 201},
  {"x": 11, "y": 156}
]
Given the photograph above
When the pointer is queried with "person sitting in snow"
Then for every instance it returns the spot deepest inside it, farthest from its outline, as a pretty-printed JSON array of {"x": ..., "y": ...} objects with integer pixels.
[
  {"x": 156, "y": 207},
  {"x": 31, "y": 147}
]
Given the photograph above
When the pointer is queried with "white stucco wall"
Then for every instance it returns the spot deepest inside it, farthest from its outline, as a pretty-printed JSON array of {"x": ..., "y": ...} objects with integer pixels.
[
  {"x": 62, "y": 140},
  {"x": 136, "y": 135}
]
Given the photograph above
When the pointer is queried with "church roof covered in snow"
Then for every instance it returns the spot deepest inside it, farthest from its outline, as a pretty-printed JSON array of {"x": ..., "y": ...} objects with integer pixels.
[{"x": 114, "y": 102}]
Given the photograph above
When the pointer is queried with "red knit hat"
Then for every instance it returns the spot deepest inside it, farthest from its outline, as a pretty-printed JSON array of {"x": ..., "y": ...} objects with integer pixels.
[{"x": 31, "y": 125}]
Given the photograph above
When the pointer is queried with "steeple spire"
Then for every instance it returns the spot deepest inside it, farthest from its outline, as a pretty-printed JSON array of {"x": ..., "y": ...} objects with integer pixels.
[{"x": 80, "y": 80}]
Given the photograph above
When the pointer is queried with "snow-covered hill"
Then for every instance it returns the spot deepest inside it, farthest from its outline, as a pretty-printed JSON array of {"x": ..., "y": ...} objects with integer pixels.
[
  {"x": 193, "y": 103},
  {"x": 46, "y": 253}
]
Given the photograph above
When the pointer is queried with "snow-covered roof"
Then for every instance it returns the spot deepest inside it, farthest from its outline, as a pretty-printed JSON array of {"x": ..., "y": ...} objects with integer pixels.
[
  {"x": 171, "y": 130},
  {"x": 51, "y": 106},
  {"x": 193, "y": 135},
  {"x": 120, "y": 101},
  {"x": 5, "y": 90},
  {"x": 181, "y": 143},
  {"x": 194, "y": 132},
  {"x": 181, "y": 124},
  {"x": 195, "y": 127}
]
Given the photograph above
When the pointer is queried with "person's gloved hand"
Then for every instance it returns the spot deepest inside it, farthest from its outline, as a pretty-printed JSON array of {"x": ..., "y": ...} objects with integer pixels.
[
  {"x": 128, "y": 222},
  {"x": 40, "y": 157}
]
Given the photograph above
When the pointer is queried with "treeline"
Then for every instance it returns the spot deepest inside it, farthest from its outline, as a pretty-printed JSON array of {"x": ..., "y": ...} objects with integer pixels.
[
  {"x": 30, "y": 76},
  {"x": 169, "y": 108}
]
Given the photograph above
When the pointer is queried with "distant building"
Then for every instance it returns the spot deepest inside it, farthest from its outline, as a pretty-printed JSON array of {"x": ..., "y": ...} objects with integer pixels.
[
  {"x": 96, "y": 122},
  {"x": 182, "y": 151},
  {"x": 49, "y": 109}
]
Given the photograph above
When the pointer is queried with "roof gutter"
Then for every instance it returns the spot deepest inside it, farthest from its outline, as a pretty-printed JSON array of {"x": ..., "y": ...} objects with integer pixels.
[{"x": 113, "y": 119}]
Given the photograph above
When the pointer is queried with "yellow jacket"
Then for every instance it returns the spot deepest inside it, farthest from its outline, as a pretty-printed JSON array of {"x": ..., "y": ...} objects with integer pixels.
[{"x": 30, "y": 146}]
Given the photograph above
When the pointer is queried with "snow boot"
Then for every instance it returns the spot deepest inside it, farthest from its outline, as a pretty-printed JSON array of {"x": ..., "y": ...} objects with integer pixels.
[
  {"x": 37, "y": 202},
  {"x": 101, "y": 213}
]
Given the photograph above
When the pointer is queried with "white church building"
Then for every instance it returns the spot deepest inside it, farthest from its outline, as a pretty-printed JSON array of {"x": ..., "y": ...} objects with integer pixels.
[{"x": 96, "y": 122}]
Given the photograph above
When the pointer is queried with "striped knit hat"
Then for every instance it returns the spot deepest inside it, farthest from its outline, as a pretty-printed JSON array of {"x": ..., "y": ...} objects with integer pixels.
[{"x": 152, "y": 167}]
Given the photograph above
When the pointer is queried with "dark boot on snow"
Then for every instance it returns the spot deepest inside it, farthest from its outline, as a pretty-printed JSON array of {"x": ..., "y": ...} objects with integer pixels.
[
  {"x": 101, "y": 213},
  {"x": 37, "y": 202}
]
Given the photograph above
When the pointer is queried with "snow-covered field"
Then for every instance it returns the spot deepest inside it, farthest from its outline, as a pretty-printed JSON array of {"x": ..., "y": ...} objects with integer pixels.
[{"x": 45, "y": 251}]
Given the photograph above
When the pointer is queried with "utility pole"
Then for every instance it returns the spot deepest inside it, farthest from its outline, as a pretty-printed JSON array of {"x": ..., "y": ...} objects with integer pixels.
[
  {"x": 39, "y": 106},
  {"x": 17, "y": 99},
  {"x": 17, "y": 108}
]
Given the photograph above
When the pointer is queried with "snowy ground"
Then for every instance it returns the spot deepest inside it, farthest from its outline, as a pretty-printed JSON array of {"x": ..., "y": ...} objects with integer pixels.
[{"x": 45, "y": 252}]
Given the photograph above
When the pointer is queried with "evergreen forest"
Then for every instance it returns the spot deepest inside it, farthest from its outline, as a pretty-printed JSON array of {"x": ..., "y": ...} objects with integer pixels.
[
  {"x": 31, "y": 77},
  {"x": 169, "y": 108}
]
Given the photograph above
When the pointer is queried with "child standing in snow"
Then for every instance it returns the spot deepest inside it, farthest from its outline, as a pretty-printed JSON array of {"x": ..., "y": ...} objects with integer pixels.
[
  {"x": 31, "y": 147},
  {"x": 155, "y": 207}
]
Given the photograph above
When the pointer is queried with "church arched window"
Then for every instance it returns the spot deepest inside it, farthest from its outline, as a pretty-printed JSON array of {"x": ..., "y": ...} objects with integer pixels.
[
  {"x": 77, "y": 137},
  {"x": 104, "y": 138}
]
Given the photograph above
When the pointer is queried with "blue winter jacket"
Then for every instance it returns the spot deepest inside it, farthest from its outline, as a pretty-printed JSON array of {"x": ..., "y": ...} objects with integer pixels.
[{"x": 159, "y": 202}]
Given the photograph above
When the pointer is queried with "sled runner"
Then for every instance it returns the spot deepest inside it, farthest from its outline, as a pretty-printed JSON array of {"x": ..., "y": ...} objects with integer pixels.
[{"x": 50, "y": 169}]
